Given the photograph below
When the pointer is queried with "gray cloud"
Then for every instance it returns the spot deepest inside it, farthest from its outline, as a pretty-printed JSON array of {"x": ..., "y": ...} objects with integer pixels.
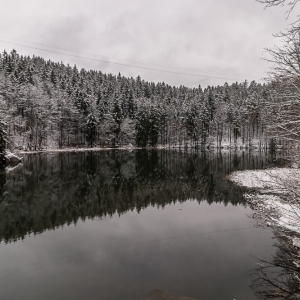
[{"x": 220, "y": 38}]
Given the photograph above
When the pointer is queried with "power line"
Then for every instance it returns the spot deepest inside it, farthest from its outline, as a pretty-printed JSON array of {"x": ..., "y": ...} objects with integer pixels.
[
  {"x": 139, "y": 62},
  {"x": 120, "y": 64}
]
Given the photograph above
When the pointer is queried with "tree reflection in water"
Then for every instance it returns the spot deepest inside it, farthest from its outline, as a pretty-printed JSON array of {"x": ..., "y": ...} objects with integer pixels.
[
  {"x": 56, "y": 189},
  {"x": 279, "y": 279}
]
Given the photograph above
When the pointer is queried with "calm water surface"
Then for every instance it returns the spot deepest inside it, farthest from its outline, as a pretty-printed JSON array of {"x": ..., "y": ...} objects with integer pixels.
[{"x": 116, "y": 225}]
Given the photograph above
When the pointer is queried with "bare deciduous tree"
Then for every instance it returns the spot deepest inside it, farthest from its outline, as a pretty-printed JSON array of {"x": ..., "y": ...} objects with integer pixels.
[
  {"x": 283, "y": 109},
  {"x": 278, "y": 279},
  {"x": 290, "y": 3}
]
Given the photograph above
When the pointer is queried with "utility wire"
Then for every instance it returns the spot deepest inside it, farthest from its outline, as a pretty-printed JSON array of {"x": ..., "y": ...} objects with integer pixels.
[
  {"x": 121, "y": 64},
  {"x": 139, "y": 62}
]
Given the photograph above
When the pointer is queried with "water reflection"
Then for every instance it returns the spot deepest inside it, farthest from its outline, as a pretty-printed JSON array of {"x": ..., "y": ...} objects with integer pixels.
[
  {"x": 52, "y": 190},
  {"x": 279, "y": 278},
  {"x": 191, "y": 235}
]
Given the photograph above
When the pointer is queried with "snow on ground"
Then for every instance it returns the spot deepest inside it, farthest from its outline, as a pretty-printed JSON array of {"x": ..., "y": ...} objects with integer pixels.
[
  {"x": 280, "y": 213},
  {"x": 10, "y": 157},
  {"x": 275, "y": 197},
  {"x": 74, "y": 150},
  {"x": 273, "y": 179},
  {"x": 290, "y": 215},
  {"x": 213, "y": 143}
]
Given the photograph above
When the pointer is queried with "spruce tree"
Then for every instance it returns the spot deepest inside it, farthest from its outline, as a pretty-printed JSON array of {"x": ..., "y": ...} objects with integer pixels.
[
  {"x": 3, "y": 136},
  {"x": 91, "y": 125}
]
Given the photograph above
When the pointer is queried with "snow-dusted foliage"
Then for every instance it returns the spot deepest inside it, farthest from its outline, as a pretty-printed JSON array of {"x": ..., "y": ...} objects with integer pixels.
[
  {"x": 52, "y": 105},
  {"x": 3, "y": 135}
]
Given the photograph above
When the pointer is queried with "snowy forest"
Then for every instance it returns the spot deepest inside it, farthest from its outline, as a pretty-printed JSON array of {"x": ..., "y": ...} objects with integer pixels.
[{"x": 49, "y": 105}]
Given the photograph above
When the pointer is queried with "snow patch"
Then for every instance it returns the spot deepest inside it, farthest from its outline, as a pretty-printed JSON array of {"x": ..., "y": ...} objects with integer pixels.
[
  {"x": 265, "y": 179},
  {"x": 276, "y": 200},
  {"x": 277, "y": 182},
  {"x": 12, "y": 158}
]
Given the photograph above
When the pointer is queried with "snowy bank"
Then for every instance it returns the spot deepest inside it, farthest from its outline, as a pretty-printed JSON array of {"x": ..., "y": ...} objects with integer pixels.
[
  {"x": 275, "y": 197},
  {"x": 75, "y": 150},
  {"x": 273, "y": 179},
  {"x": 11, "y": 158}
]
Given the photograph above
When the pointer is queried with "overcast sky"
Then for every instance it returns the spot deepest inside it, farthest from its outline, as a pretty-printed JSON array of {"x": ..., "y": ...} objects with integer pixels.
[{"x": 218, "y": 40}]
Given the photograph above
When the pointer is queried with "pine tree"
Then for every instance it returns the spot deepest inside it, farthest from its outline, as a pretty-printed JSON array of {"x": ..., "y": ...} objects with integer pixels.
[
  {"x": 91, "y": 126},
  {"x": 153, "y": 126},
  {"x": 118, "y": 118},
  {"x": 142, "y": 125},
  {"x": 3, "y": 136}
]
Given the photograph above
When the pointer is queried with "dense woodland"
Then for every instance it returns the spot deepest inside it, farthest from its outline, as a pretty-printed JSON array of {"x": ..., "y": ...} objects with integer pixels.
[{"x": 45, "y": 105}]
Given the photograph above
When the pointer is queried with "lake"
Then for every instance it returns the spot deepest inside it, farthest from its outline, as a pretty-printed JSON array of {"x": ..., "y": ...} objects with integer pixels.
[{"x": 115, "y": 225}]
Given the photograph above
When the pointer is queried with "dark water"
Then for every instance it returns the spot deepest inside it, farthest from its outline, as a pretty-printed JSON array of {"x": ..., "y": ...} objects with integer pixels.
[{"x": 116, "y": 225}]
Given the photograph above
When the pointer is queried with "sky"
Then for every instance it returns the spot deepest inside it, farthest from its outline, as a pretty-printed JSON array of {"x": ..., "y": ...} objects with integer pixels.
[{"x": 180, "y": 42}]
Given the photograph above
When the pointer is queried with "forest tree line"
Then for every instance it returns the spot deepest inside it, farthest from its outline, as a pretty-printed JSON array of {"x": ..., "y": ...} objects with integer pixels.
[{"x": 46, "y": 105}]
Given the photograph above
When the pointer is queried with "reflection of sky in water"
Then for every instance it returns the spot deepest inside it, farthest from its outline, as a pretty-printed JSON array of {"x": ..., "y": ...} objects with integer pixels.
[{"x": 202, "y": 251}]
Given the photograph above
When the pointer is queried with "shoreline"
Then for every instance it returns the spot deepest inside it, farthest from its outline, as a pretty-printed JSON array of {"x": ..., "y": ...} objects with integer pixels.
[
  {"x": 273, "y": 195},
  {"x": 131, "y": 148},
  {"x": 72, "y": 150},
  {"x": 273, "y": 192}
]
